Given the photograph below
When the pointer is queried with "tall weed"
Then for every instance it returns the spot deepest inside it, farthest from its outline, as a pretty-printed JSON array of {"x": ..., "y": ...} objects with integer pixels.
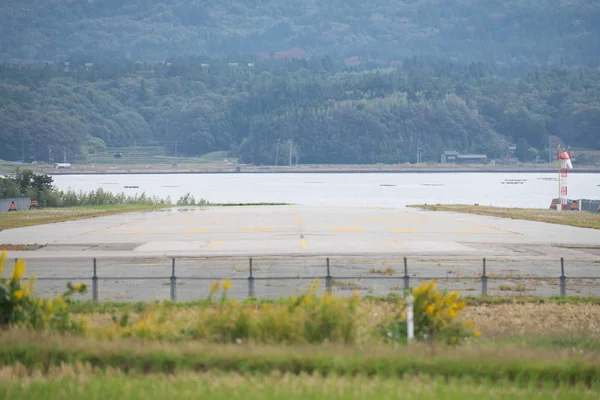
[{"x": 19, "y": 308}]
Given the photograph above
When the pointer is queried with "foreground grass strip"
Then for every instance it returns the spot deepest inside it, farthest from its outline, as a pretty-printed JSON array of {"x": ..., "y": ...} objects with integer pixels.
[
  {"x": 25, "y": 218},
  {"x": 572, "y": 218},
  {"x": 74, "y": 385},
  {"x": 521, "y": 366}
]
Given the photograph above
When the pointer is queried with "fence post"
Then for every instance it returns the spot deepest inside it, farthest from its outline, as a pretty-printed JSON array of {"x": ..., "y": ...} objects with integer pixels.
[
  {"x": 95, "y": 283},
  {"x": 563, "y": 278},
  {"x": 484, "y": 280},
  {"x": 250, "y": 280},
  {"x": 410, "y": 325},
  {"x": 173, "y": 281},
  {"x": 406, "y": 277},
  {"x": 328, "y": 278}
]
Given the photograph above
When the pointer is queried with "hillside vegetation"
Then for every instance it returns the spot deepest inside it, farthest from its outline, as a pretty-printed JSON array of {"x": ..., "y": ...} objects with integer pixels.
[
  {"x": 515, "y": 32},
  {"x": 309, "y": 81},
  {"x": 319, "y": 116}
]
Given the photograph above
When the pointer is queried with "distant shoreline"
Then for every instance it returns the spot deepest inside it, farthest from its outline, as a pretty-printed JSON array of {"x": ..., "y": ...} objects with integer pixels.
[{"x": 304, "y": 169}]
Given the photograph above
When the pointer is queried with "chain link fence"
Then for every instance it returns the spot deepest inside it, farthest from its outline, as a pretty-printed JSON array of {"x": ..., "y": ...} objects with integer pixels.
[{"x": 189, "y": 279}]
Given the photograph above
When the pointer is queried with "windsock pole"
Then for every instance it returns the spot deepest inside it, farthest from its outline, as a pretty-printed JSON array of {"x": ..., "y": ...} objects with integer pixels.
[{"x": 559, "y": 205}]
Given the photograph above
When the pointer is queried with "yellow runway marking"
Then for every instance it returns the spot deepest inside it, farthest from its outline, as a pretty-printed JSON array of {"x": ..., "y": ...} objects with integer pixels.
[
  {"x": 214, "y": 245},
  {"x": 467, "y": 231},
  {"x": 394, "y": 244},
  {"x": 265, "y": 229},
  {"x": 136, "y": 231},
  {"x": 392, "y": 219},
  {"x": 405, "y": 230},
  {"x": 303, "y": 243},
  {"x": 348, "y": 229},
  {"x": 194, "y": 230}
]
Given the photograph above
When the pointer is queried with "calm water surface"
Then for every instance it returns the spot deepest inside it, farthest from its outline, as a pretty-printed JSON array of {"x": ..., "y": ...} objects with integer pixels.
[{"x": 355, "y": 189}]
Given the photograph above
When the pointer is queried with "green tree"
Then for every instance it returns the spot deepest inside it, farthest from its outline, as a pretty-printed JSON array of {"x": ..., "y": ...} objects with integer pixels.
[{"x": 522, "y": 150}]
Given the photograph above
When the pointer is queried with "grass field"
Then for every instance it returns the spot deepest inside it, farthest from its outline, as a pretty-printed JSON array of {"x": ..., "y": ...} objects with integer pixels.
[
  {"x": 24, "y": 218},
  {"x": 306, "y": 346},
  {"x": 530, "y": 348},
  {"x": 579, "y": 219},
  {"x": 71, "y": 383}
]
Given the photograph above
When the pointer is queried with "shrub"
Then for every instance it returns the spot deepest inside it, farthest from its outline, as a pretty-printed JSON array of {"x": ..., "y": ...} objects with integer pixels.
[
  {"x": 19, "y": 307},
  {"x": 308, "y": 318},
  {"x": 435, "y": 317}
]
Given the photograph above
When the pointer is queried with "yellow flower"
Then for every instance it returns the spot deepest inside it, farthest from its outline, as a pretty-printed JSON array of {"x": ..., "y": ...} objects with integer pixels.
[
  {"x": 226, "y": 284},
  {"x": 2, "y": 261},
  {"x": 214, "y": 287},
  {"x": 60, "y": 302},
  {"x": 18, "y": 294},
  {"x": 355, "y": 293},
  {"x": 18, "y": 270},
  {"x": 430, "y": 309},
  {"x": 80, "y": 287},
  {"x": 476, "y": 333}
]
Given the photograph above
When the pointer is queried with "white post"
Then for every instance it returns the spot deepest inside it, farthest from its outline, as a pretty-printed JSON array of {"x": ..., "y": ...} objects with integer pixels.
[{"x": 410, "y": 317}]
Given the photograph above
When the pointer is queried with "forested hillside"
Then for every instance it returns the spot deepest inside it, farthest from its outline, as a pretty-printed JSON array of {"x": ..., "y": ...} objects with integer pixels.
[
  {"x": 322, "y": 81},
  {"x": 510, "y": 32},
  {"x": 319, "y": 110}
]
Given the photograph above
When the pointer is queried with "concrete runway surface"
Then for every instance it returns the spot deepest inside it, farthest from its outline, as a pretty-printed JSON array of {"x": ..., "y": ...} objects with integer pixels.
[{"x": 134, "y": 251}]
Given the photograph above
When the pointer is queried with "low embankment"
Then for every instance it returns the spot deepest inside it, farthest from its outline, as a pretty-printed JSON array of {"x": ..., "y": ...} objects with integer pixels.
[{"x": 572, "y": 218}]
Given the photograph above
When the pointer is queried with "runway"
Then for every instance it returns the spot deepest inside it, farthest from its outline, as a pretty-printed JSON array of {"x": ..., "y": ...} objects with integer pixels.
[{"x": 294, "y": 241}]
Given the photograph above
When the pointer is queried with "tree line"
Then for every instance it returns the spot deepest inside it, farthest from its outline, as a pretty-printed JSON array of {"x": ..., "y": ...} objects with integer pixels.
[{"x": 316, "y": 111}]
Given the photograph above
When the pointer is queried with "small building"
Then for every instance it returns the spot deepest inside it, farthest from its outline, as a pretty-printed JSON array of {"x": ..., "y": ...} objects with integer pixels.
[
  {"x": 471, "y": 159},
  {"x": 448, "y": 157}
]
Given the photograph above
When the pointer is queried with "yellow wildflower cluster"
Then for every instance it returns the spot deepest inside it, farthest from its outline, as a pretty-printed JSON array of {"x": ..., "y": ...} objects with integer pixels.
[
  {"x": 22, "y": 309},
  {"x": 306, "y": 318},
  {"x": 435, "y": 316}
]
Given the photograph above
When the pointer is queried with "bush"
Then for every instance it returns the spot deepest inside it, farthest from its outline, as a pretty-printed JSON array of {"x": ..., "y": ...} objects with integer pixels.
[
  {"x": 299, "y": 319},
  {"x": 189, "y": 200},
  {"x": 19, "y": 308},
  {"x": 435, "y": 317}
]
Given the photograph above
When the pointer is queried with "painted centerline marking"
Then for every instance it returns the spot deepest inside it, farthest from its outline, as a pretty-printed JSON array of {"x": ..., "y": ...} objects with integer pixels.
[
  {"x": 405, "y": 230},
  {"x": 214, "y": 245},
  {"x": 347, "y": 229},
  {"x": 252, "y": 230}
]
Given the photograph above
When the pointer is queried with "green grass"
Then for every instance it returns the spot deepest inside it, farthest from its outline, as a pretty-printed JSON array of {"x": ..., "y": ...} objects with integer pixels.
[
  {"x": 571, "y": 218},
  {"x": 520, "y": 366},
  {"x": 86, "y": 386},
  {"x": 24, "y": 218},
  {"x": 90, "y": 307}
]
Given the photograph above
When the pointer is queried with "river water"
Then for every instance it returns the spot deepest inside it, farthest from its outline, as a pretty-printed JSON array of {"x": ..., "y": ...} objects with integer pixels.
[{"x": 530, "y": 190}]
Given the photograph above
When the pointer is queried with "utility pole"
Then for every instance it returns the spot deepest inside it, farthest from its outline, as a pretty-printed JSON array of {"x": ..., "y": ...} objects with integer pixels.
[
  {"x": 549, "y": 149},
  {"x": 50, "y": 160},
  {"x": 64, "y": 154},
  {"x": 291, "y": 143},
  {"x": 176, "y": 143},
  {"x": 277, "y": 154}
]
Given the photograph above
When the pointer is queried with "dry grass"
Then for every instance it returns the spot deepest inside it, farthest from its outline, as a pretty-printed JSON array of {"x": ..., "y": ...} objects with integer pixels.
[
  {"x": 388, "y": 271},
  {"x": 536, "y": 319},
  {"x": 25, "y": 218},
  {"x": 19, "y": 247},
  {"x": 572, "y": 218}
]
